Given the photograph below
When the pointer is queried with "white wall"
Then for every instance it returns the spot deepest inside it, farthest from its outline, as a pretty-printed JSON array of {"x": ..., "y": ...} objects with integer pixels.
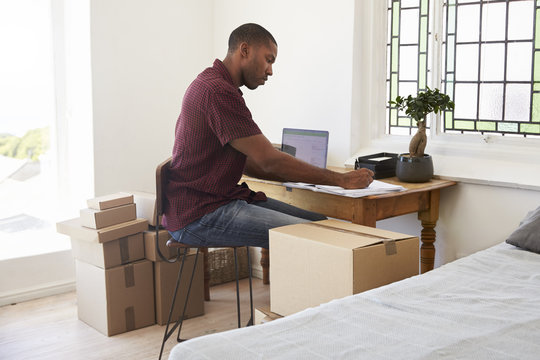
[
  {"x": 144, "y": 55},
  {"x": 311, "y": 85}
]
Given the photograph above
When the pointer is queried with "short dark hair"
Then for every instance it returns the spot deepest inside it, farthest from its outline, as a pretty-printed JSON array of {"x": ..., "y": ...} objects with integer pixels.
[{"x": 251, "y": 34}]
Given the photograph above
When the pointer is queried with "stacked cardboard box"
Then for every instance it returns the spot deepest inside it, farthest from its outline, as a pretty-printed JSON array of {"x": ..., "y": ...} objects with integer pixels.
[
  {"x": 114, "y": 281},
  {"x": 166, "y": 273},
  {"x": 313, "y": 263},
  {"x": 122, "y": 284},
  {"x": 165, "y": 276}
]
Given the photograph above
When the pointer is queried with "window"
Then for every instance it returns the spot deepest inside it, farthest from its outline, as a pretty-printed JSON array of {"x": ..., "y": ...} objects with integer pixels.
[
  {"x": 489, "y": 61},
  {"x": 407, "y": 57},
  {"x": 43, "y": 173}
]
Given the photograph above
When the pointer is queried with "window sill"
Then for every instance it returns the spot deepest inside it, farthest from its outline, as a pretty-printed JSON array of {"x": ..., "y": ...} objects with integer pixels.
[{"x": 472, "y": 159}]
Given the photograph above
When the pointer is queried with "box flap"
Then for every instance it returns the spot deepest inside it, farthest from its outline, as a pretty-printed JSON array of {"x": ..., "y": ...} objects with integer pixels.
[
  {"x": 73, "y": 228},
  {"x": 110, "y": 201},
  {"x": 338, "y": 233}
]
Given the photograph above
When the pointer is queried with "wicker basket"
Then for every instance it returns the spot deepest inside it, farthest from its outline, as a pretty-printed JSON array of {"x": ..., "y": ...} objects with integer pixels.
[{"x": 221, "y": 264}]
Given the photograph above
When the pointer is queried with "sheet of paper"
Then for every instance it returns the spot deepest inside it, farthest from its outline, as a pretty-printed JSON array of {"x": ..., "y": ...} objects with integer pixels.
[{"x": 375, "y": 188}]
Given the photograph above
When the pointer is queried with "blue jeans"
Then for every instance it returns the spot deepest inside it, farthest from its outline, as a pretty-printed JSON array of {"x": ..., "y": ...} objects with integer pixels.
[{"x": 241, "y": 224}]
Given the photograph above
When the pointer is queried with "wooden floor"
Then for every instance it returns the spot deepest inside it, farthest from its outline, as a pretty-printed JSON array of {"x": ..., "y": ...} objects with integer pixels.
[{"x": 48, "y": 328}]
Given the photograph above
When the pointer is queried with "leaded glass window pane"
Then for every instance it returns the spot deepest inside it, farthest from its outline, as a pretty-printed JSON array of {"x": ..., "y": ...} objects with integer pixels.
[
  {"x": 521, "y": 20},
  {"x": 517, "y": 102},
  {"x": 466, "y": 97},
  {"x": 490, "y": 104},
  {"x": 492, "y": 54},
  {"x": 519, "y": 59},
  {"x": 493, "y": 19},
  {"x": 467, "y": 62}
]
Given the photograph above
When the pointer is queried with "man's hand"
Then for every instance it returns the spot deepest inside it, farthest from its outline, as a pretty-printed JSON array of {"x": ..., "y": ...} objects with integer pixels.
[{"x": 357, "y": 179}]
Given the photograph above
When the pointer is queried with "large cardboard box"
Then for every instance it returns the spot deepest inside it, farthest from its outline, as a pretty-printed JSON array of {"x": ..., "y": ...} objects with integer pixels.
[
  {"x": 165, "y": 275},
  {"x": 110, "y": 201},
  {"x": 150, "y": 245},
  {"x": 115, "y": 300},
  {"x": 111, "y": 253},
  {"x": 74, "y": 229},
  {"x": 98, "y": 219},
  {"x": 146, "y": 206},
  {"x": 313, "y": 263}
]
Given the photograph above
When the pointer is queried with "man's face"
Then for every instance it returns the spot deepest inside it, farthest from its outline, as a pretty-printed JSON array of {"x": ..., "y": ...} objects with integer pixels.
[{"x": 259, "y": 65}]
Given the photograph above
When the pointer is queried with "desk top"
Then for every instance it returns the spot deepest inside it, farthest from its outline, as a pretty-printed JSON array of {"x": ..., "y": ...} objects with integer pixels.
[{"x": 433, "y": 184}]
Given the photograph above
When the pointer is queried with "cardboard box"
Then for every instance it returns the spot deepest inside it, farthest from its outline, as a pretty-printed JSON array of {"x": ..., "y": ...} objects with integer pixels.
[
  {"x": 115, "y": 300},
  {"x": 98, "y": 219},
  {"x": 165, "y": 275},
  {"x": 264, "y": 315},
  {"x": 74, "y": 229},
  {"x": 150, "y": 245},
  {"x": 313, "y": 263},
  {"x": 146, "y": 206},
  {"x": 110, "y": 201},
  {"x": 110, "y": 254}
]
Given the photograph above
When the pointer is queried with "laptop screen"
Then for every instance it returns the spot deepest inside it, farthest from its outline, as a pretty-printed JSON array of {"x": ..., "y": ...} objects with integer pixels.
[{"x": 308, "y": 145}]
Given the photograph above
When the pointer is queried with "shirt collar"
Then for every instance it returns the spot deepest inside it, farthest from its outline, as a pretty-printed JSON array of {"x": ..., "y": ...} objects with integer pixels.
[{"x": 222, "y": 70}]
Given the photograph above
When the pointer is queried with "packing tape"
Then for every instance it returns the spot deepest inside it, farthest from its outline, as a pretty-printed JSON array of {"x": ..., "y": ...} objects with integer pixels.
[
  {"x": 124, "y": 250},
  {"x": 129, "y": 276},
  {"x": 130, "y": 318},
  {"x": 347, "y": 231},
  {"x": 390, "y": 247}
]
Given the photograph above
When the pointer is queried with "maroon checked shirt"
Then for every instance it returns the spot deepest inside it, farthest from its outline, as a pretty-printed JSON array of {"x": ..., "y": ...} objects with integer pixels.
[{"x": 205, "y": 169}]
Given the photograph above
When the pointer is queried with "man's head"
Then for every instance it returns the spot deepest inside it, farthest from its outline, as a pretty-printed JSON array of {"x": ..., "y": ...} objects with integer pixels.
[
  {"x": 251, "y": 34},
  {"x": 252, "y": 51}
]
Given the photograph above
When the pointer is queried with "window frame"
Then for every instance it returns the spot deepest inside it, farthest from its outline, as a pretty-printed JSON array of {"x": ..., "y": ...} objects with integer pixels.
[{"x": 484, "y": 155}]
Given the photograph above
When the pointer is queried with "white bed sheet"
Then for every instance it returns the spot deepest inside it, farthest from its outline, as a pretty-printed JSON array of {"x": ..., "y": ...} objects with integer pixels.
[{"x": 484, "y": 306}]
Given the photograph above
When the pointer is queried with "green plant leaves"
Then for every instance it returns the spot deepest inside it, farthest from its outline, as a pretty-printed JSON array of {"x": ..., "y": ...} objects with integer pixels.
[{"x": 423, "y": 104}]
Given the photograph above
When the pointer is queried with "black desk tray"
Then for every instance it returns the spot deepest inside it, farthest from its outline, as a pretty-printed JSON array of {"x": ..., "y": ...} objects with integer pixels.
[{"x": 382, "y": 164}]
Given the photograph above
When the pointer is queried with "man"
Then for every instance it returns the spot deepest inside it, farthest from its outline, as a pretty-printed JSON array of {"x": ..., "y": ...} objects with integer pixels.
[{"x": 216, "y": 141}]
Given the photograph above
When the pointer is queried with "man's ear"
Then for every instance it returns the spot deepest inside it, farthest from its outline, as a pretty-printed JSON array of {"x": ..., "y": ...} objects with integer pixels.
[{"x": 244, "y": 49}]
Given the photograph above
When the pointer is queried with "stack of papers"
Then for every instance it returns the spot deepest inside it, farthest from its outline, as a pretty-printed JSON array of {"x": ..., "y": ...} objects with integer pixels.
[{"x": 375, "y": 188}]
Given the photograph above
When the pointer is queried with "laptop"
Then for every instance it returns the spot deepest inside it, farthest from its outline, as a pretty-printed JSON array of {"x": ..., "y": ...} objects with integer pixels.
[{"x": 308, "y": 145}]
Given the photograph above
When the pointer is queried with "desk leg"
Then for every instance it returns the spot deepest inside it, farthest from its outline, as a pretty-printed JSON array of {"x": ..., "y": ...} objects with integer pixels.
[
  {"x": 265, "y": 263},
  {"x": 429, "y": 219}
]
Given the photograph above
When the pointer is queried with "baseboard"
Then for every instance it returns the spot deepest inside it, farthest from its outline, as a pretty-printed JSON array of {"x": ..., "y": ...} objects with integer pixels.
[{"x": 20, "y": 295}]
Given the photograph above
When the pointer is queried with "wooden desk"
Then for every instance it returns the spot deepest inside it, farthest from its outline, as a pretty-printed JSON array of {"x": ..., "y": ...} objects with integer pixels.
[{"x": 422, "y": 198}]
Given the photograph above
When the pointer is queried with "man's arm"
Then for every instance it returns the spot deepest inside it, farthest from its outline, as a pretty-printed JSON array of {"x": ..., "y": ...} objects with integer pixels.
[{"x": 267, "y": 162}]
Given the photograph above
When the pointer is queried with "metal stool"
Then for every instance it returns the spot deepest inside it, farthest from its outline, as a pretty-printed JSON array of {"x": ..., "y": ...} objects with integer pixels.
[{"x": 182, "y": 251}]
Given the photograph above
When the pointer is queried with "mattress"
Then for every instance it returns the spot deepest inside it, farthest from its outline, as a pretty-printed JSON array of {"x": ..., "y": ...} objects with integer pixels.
[{"x": 484, "y": 306}]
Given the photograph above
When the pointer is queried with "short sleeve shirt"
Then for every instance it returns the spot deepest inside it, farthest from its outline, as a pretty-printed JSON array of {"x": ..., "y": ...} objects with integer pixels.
[{"x": 205, "y": 169}]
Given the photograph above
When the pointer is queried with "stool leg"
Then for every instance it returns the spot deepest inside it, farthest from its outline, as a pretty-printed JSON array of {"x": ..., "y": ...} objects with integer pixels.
[
  {"x": 179, "y": 321},
  {"x": 250, "y": 322},
  {"x": 187, "y": 296},
  {"x": 237, "y": 286}
]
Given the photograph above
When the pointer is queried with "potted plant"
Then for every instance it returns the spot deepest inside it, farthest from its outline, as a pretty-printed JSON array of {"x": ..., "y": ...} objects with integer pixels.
[{"x": 416, "y": 166}]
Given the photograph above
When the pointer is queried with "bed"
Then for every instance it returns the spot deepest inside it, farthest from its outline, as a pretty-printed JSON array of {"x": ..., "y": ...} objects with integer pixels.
[{"x": 484, "y": 306}]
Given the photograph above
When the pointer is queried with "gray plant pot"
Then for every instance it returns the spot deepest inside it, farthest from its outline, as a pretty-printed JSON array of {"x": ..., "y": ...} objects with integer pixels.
[{"x": 414, "y": 169}]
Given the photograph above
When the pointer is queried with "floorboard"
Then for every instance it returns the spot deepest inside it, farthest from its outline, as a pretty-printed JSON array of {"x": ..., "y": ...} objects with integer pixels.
[{"x": 48, "y": 328}]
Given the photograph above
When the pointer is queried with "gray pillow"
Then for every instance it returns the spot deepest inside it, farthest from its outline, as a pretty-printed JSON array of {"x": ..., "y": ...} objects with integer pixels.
[{"x": 527, "y": 235}]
